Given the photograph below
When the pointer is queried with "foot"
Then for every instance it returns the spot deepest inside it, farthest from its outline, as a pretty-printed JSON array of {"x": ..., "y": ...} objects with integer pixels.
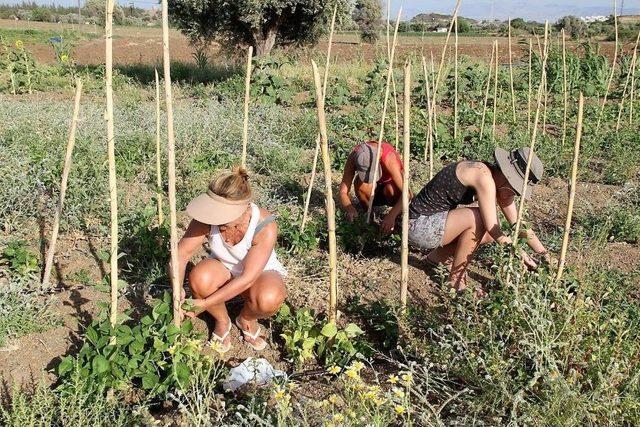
[
  {"x": 251, "y": 333},
  {"x": 221, "y": 339}
]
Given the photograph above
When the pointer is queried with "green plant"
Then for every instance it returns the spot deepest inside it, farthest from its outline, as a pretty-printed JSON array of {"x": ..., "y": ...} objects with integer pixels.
[
  {"x": 380, "y": 321},
  {"x": 153, "y": 354},
  {"x": 291, "y": 238},
  {"x": 19, "y": 258},
  {"x": 267, "y": 85},
  {"x": 306, "y": 336}
]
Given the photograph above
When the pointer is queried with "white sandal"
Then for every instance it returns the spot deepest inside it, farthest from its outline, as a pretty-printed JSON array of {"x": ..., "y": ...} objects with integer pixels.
[
  {"x": 219, "y": 340},
  {"x": 252, "y": 336}
]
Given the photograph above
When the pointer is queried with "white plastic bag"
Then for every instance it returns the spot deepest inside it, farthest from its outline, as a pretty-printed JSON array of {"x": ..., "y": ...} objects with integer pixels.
[{"x": 255, "y": 371}]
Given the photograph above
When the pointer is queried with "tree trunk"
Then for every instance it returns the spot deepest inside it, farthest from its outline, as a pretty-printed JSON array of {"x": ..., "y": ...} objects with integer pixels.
[{"x": 264, "y": 39}]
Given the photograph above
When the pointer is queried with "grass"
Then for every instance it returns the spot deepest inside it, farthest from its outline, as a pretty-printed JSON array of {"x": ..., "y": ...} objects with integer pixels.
[{"x": 534, "y": 352}]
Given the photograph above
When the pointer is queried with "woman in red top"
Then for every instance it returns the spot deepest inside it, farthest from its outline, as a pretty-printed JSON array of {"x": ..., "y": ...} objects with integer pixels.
[{"x": 359, "y": 172}]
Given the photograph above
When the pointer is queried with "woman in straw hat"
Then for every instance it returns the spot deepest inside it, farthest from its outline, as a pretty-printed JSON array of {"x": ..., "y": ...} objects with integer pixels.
[
  {"x": 438, "y": 223},
  {"x": 358, "y": 171},
  {"x": 242, "y": 260}
]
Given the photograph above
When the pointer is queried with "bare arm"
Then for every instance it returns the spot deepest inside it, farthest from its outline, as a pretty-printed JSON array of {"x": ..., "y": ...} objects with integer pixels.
[
  {"x": 345, "y": 185},
  {"x": 190, "y": 243},
  {"x": 393, "y": 167},
  {"x": 254, "y": 263},
  {"x": 510, "y": 212}
]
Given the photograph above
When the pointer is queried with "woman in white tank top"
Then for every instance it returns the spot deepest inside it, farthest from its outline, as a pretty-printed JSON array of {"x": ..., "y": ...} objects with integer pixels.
[{"x": 242, "y": 259}]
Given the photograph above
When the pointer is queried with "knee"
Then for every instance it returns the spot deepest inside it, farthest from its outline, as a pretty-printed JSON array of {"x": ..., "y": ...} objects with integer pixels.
[
  {"x": 202, "y": 282},
  {"x": 270, "y": 302}
]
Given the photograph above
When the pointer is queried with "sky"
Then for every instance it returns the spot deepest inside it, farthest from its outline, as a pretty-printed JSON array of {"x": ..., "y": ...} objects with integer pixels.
[{"x": 538, "y": 10}]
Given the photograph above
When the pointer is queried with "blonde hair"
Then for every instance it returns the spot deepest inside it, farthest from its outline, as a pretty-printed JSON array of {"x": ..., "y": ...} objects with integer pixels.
[{"x": 232, "y": 185}]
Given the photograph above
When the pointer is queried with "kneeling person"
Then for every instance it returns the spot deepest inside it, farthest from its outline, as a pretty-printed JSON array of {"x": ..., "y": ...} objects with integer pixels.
[
  {"x": 241, "y": 237},
  {"x": 359, "y": 172},
  {"x": 437, "y": 223}
]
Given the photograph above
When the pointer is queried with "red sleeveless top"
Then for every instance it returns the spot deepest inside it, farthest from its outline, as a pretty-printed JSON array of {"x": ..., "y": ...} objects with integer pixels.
[{"x": 387, "y": 150}]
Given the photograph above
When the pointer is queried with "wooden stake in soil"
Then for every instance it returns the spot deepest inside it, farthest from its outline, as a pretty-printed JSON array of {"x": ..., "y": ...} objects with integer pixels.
[
  {"x": 633, "y": 89},
  {"x": 516, "y": 231},
  {"x": 495, "y": 97},
  {"x": 176, "y": 286},
  {"x": 632, "y": 66},
  {"x": 513, "y": 92},
  {"x": 247, "y": 96},
  {"x": 565, "y": 89},
  {"x": 455, "y": 83},
  {"x": 376, "y": 164},
  {"x": 63, "y": 187},
  {"x": 572, "y": 190},
  {"x": 428, "y": 150},
  {"x": 158, "y": 154},
  {"x": 486, "y": 91},
  {"x": 529, "y": 88},
  {"x": 613, "y": 67},
  {"x": 307, "y": 201},
  {"x": 113, "y": 190},
  {"x": 404, "y": 277},
  {"x": 331, "y": 218}
]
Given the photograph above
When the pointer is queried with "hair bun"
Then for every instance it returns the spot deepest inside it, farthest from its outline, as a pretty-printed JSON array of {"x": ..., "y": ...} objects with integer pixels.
[{"x": 241, "y": 172}]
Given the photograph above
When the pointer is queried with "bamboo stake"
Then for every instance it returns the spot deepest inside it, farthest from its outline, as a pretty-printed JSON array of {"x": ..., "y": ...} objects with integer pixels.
[
  {"x": 247, "y": 95},
  {"x": 632, "y": 66},
  {"x": 307, "y": 201},
  {"x": 404, "y": 276},
  {"x": 613, "y": 67},
  {"x": 495, "y": 97},
  {"x": 63, "y": 187},
  {"x": 544, "y": 108},
  {"x": 158, "y": 156},
  {"x": 113, "y": 190},
  {"x": 633, "y": 89},
  {"x": 176, "y": 285},
  {"x": 486, "y": 91},
  {"x": 516, "y": 231},
  {"x": 572, "y": 190},
  {"x": 436, "y": 83},
  {"x": 428, "y": 149},
  {"x": 513, "y": 92},
  {"x": 434, "y": 107},
  {"x": 565, "y": 89},
  {"x": 395, "y": 111},
  {"x": 529, "y": 88},
  {"x": 376, "y": 164},
  {"x": 455, "y": 84},
  {"x": 331, "y": 219}
]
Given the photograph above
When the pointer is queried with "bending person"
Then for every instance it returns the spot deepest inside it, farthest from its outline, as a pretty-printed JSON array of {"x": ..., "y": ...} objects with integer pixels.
[
  {"x": 438, "y": 223},
  {"x": 241, "y": 237},
  {"x": 359, "y": 171}
]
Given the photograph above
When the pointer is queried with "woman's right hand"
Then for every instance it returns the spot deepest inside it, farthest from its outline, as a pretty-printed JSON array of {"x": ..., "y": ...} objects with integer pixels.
[{"x": 351, "y": 212}]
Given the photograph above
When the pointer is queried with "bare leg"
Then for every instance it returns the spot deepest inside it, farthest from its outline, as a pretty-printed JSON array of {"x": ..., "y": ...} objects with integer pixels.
[
  {"x": 464, "y": 229},
  {"x": 263, "y": 299},
  {"x": 206, "y": 278}
]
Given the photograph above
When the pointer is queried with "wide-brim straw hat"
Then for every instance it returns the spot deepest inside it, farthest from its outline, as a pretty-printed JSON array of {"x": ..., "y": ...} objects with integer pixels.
[
  {"x": 210, "y": 208},
  {"x": 513, "y": 165}
]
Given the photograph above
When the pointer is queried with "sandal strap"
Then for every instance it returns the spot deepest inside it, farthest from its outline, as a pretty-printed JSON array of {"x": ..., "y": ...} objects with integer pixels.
[
  {"x": 225, "y": 335},
  {"x": 254, "y": 335}
]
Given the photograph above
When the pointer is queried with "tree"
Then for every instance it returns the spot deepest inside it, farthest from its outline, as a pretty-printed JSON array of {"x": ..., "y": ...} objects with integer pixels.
[
  {"x": 574, "y": 27},
  {"x": 464, "y": 26},
  {"x": 96, "y": 8},
  {"x": 367, "y": 15},
  {"x": 261, "y": 24}
]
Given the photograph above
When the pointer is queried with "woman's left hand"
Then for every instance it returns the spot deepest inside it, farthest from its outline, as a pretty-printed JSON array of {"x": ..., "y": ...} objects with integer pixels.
[
  {"x": 388, "y": 224},
  {"x": 196, "y": 307}
]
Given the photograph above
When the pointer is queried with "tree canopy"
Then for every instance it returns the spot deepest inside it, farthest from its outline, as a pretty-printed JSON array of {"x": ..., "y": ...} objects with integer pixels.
[{"x": 262, "y": 24}]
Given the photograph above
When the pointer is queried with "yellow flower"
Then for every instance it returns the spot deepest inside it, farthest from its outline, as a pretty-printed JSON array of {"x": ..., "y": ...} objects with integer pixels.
[
  {"x": 370, "y": 395},
  {"x": 398, "y": 392},
  {"x": 379, "y": 401},
  {"x": 352, "y": 373},
  {"x": 399, "y": 409},
  {"x": 329, "y": 425},
  {"x": 279, "y": 394},
  {"x": 19, "y": 44},
  {"x": 172, "y": 349},
  {"x": 407, "y": 378},
  {"x": 357, "y": 365},
  {"x": 64, "y": 58},
  {"x": 338, "y": 417},
  {"x": 333, "y": 399},
  {"x": 333, "y": 370},
  {"x": 393, "y": 379}
]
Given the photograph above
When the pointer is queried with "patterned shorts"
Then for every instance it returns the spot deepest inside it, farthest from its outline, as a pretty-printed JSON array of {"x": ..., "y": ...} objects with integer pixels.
[{"x": 427, "y": 232}]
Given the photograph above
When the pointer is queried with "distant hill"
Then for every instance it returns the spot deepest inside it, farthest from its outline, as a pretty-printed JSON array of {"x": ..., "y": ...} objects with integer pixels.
[{"x": 437, "y": 19}]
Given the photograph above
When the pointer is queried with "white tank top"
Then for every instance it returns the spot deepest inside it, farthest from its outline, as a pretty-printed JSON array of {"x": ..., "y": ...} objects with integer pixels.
[{"x": 232, "y": 257}]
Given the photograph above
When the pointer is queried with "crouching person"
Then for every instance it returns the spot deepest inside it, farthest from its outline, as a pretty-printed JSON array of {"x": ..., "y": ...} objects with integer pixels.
[
  {"x": 242, "y": 260},
  {"x": 451, "y": 232}
]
